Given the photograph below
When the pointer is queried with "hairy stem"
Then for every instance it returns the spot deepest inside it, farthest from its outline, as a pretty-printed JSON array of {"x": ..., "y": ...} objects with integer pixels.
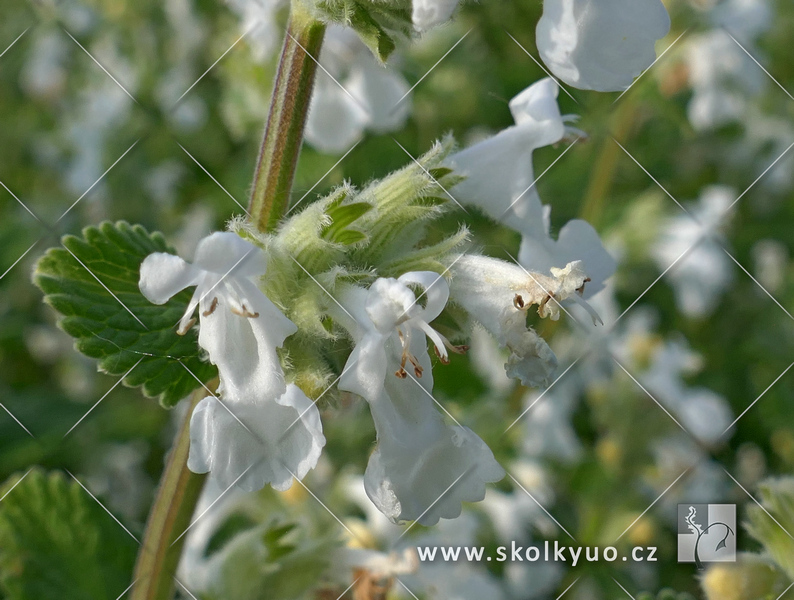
[
  {"x": 289, "y": 106},
  {"x": 180, "y": 488},
  {"x": 170, "y": 516}
]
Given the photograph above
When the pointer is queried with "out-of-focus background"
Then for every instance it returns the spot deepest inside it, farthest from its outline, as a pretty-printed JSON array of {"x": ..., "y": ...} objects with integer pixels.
[{"x": 152, "y": 112}]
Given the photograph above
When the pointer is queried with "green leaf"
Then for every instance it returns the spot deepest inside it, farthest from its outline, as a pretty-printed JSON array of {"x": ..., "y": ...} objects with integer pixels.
[
  {"x": 93, "y": 282},
  {"x": 341, "y": 217},
  {"x": 57, "y": 543},
  {"x": 376, "y": 22}
]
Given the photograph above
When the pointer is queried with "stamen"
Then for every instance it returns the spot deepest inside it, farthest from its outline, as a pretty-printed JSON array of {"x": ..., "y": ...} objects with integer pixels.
[
  {"x": 418, "y": 370},
  {"x": 442, "y": 357},
  {"x": 186, "y": 328},
  {"x": 244, "y": 312},
  {"x": 518, "y": 302},
  {"x": 402, "y": 373},
  {"x": 461, "y": 349},
  {"x": 545, "y": 301},
  {"x": 212, "y": 307}
]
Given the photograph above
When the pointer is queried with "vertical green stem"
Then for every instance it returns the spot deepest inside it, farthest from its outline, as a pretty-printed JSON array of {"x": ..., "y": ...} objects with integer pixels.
[
  {"x": 169, "y": 518},
  {"x": 180, "y": 488},
  {"x": 289, "y": 106}
]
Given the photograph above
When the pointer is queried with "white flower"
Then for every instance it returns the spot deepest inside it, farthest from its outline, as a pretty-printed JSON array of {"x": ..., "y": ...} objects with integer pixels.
[
  {"x": 254, "y": 445},
  {"x": 262, "y": 431},
  {"x": 600, "y": 45},
  {"x": 355, "y": 94},
  {"x": 498, "y": 294},
  {"x": 577, "y": 240},
  {"x": 499, "y": 175},
  {"x": 548, "y": 431},
  {"x": 745, "y": 19},
  {"x": 429, "y": 13},
  {"x": 700, "y": 277},
  {"x": 702, "y": 412},
  {"x": 723, "y": 78},
  {"x": 422, "y": 469}
]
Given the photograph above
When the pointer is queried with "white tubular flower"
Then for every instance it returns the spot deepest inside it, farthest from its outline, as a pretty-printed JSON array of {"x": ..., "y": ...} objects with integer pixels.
[
  {"x": 263, "y": 431},
  {"x": 256, "y": 445},
  {"x": 422, "y": 469},
  {"x": 359, "y": 94},
  {"x": 577, "y": 240},
  {"x": 600, "y": 45},
  {"x": 498, "y": 294},
  {"x": 429, "y": 13},
  {"x": 499, "y": 175}
]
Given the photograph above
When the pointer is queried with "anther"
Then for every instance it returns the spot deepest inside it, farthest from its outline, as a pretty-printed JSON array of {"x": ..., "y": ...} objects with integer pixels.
[
  {"x": 244, "y": 312},
  {"x": 545, "y": 301},
  {"x": 186, "y": 328},
  {"x": 518, "y": 302},
  {"x": 212, "y": 307}
]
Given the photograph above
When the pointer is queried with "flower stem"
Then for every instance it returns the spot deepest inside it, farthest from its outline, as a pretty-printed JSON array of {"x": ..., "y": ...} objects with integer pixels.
[
  {"x": 605, "y": 167},
  {"x": 170, "y": 516},
  {"x": 289, "y": 106}
]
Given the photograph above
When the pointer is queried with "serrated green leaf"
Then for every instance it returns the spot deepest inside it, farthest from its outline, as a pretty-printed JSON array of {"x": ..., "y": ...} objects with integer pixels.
[
  {"x": 57, "y": 543},
  {"x": 93, "y": 282}
]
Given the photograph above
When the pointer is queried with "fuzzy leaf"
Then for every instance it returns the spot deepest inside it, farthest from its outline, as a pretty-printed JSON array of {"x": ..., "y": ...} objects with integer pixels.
[
  {"x": 57, "y": 542},
  {"x": 93, "y": 282},
  {"x": 342, "y": 216},
  {"x": 376, "y": 22}
]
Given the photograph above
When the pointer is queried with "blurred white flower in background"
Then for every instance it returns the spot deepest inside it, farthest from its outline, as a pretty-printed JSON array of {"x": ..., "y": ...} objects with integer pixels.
[
  {"x": 429, "y": 13},
  {"x": 600, "y": 45},
  {"x": 258, "y": 19},
  {"x": 355, "y": 94},
  {"x": 263, "y": 431},
  {"x": 702, "y": 412},
  {"x": 548, "y": 432},
  {"x": 699, "y": 278},
  {"x": 724, "y": 79}
]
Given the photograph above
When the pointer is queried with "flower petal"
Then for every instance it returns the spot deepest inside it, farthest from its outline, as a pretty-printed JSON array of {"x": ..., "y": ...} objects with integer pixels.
[
  {"x": 429, "y": 13},
  {"x": 577, "y": 241},
  {"x": 244, "y": 348},
  {"x": 499, "y": 174},
  {"x": 165, "y": 275},
  {"x": 423, "y": 469},
  {"x": 600, "y": 44},
  {"x": 256, "y": 444},
  {"x": 436, "y": 291},
  {"x": 229, "y": 255}
]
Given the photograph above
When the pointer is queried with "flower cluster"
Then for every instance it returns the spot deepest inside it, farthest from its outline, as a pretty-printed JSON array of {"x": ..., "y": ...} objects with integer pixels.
[{"x": 381, "y": 291}]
